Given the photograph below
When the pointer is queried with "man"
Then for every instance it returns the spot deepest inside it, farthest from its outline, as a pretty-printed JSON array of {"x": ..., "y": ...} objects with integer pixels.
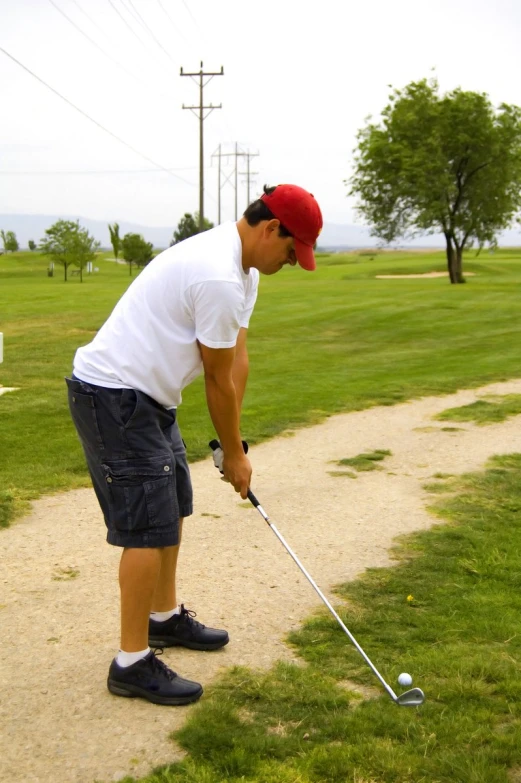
[{"x": 186, "y": 313}]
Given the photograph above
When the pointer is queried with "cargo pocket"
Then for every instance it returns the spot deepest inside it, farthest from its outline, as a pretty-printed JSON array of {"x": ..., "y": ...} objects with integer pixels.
[{"x": 141, "y": 493}]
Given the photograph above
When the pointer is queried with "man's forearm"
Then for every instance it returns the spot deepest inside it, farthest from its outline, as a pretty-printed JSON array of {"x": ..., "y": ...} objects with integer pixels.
[
  {"x": 240, "y": 376},
  {"x": 225, "y": 413}
]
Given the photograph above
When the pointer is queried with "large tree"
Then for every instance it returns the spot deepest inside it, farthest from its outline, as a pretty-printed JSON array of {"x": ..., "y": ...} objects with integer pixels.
[
  {"x": 136, "y": 250},
  {"x": 115, "y": 239},
  {"x": 188, "y": 226},
  {"x": 436, "y": 163},
  {"x": 67, "y": 243}
]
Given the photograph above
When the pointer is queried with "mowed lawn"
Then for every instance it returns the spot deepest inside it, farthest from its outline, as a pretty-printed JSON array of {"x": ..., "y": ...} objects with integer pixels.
[
  {"x": 448, "y": 612},
  {"x": 334, "y": 340}
]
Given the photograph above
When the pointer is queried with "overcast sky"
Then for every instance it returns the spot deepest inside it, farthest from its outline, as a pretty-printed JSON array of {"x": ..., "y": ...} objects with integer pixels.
[{"x": 299, "y": 80}]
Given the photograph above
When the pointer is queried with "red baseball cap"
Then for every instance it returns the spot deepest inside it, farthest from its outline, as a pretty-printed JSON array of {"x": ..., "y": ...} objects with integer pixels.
[{"x": 299, "y": 212}]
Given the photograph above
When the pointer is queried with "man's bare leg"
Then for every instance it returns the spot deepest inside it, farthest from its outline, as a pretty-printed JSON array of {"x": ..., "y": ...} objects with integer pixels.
[
  {"x": 181, "y": 629},
  {"x": 146, "y": 677},
  {"x": 165, "y": 598},
  {"x": 138, "y": 577}
]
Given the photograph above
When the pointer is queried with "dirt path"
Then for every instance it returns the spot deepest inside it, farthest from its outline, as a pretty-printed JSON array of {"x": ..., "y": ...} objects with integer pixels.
[{"x": 59, "y": 595}]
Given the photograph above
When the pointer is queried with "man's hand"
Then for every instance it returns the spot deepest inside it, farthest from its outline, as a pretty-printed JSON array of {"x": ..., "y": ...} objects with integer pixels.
[
  {"x": 233, "y": 470},
  {"x": 237, "y": 470},
  {"x": 218, "y": 453}
]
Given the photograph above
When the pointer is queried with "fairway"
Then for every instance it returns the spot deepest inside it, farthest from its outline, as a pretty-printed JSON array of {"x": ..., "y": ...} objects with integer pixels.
[
  {"x": 335, "y": 340},
  {"x": 339, "y": 341}
]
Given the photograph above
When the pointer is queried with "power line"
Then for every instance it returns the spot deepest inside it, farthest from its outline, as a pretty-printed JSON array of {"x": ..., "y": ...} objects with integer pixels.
[
  {"x": 172, "y": 22},
  {"x": 21, "y": 172},
  {"x": 109, "y": 56},
  {"x": 194, "y": 20},
  {"x": 99, "y": 125},
  {"x": 151, "y": 33},
  {"x": 115, "y": 8},
  {"x": 91, "y": 20},
  {"x": 134, "y": 33}
]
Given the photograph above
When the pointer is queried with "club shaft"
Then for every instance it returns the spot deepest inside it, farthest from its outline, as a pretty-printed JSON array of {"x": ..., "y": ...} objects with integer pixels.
[{"x": 317, "y": 589}]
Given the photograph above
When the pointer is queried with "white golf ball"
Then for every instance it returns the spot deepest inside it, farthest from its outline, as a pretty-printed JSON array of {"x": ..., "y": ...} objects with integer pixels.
[{"x": 405, "y": 679}]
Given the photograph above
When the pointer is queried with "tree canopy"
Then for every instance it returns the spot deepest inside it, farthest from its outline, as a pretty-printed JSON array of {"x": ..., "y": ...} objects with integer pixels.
[
  {"x": 67, "y": 243},
  {"x": 136, "y": 250},
  {"x": 188, "y": 226},
  {"x": 115, "y": 239},
  {"x": 440, "y": 163},
  {"x": 9, "y": 241}
]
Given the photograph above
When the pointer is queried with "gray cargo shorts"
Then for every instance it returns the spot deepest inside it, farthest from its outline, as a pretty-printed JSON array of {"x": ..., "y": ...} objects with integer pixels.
[{"x": 137, "y": 462}]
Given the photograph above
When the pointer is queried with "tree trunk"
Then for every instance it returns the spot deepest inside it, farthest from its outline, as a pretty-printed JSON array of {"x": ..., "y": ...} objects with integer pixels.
[
  {"x": 81, "y": 273},
  {"x": 459, "y": 266},
  {"x": 454, "y": 260},
  {"x": 65, "y": 272},
  {"x": 451, "y": 261},
  {"x": 130, "y": 268}
]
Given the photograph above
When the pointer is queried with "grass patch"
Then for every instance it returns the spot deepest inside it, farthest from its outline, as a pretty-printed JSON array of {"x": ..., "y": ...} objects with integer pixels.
[
  {"x": 487, "y": 411},
  {"x": 342, "y": 474},
  {"x": 448, "y": 613},
  {"x": 357, "y": 341},
  {"x": 366, "y": 461},
  {"x": 65, "y": 574}
]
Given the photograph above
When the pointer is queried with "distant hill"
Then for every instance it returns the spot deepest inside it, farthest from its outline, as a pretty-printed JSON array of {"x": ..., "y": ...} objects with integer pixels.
[
  {"x": 28, "y": 227},
  {"x": 334, "y": 236}
]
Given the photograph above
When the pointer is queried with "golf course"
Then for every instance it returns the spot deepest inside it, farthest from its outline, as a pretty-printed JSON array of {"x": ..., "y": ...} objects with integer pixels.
[{"x": 379, "y": 396}]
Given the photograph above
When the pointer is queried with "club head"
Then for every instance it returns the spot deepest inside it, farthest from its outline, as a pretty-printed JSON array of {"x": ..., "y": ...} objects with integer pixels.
[{"x": 412, "y": 698}]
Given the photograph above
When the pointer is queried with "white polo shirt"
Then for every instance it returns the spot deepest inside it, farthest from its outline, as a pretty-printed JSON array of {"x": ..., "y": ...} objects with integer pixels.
[{"x": 194, "y": 291}]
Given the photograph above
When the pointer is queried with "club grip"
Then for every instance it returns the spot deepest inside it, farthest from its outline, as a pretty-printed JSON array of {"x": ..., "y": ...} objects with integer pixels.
[
  {"x": 214, "y": 444},
  {"x": 253, "y": 500}
]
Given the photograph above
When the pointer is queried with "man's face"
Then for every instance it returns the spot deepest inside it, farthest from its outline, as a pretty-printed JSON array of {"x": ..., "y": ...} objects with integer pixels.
[{"x": 274, "y": 251}]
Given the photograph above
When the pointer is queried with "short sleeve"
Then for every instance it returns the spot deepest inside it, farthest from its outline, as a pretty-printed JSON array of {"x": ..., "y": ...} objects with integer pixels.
[
  {"x": 218, "y": 308},
  {"x": 251, "y": 298}
]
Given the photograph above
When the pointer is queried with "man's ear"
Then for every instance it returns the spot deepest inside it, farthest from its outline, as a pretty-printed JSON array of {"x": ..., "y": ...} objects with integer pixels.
[{"x": 271, "y": 226}]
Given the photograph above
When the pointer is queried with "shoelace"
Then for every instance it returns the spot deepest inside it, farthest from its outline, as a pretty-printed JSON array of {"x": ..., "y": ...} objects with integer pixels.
[
  {"x": 190, "y": 614},
  {"x": 160, "y": 665}
]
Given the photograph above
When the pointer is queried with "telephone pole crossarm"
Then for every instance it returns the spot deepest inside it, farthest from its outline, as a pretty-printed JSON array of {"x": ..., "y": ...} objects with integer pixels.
[{"x": 199, "y": 113}]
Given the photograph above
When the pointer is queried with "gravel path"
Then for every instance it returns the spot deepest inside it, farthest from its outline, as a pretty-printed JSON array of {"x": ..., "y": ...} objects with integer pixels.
[{"x": 59, "y": 595}]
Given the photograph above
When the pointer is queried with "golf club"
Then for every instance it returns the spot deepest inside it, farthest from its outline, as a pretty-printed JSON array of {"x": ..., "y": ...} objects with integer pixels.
[{"x": 411, "y": 698}]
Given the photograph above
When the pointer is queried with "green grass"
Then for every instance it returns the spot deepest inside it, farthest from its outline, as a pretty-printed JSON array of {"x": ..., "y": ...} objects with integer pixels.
[
  {"x": 485, "y": 411},
  {"x": 448, "y": 612},
  {"x": 335, "y": 340},
  {"x": 366, "y": 461}
]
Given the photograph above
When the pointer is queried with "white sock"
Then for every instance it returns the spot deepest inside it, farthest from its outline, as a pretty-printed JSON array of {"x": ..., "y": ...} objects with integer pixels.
[
  {"x": 125, "y": 659},
  {"x": 161, "y": 617}
]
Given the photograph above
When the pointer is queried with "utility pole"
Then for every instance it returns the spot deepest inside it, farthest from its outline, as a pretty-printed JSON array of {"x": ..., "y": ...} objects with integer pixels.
[
  {"x": 201, "y": 109},
  {"x": 236, "y": 154},
  {"x": 248, "y": 174},
  {"x": 219, "y": 155}
]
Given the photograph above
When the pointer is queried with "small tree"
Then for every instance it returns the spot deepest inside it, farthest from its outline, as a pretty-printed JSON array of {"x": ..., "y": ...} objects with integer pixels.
[
  {"x": 136, "y": 250},
  {"x": 115, "y": 239},
  {"x": 69, "y": 244},
  {"x": 32, "y": 244},
  {"x": 10, "y": 241},
  {"x": 448, "y": 164},
  {"x": 188, "y": 226}
]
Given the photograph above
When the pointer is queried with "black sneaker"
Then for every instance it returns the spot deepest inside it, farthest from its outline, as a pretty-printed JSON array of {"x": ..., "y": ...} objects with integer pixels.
[
  {"x": 151, "y": 679},
  {"x": 183, "y": 630}
]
